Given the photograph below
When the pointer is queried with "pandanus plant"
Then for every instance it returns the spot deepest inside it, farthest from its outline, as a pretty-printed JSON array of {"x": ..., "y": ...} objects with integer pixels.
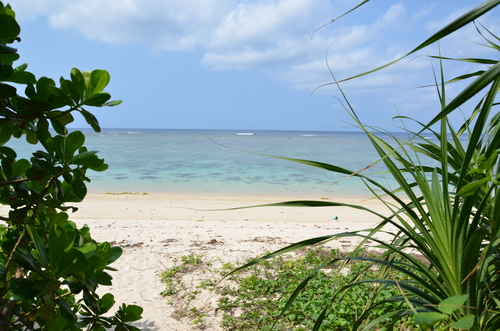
[{"x": 444, "y": 256}]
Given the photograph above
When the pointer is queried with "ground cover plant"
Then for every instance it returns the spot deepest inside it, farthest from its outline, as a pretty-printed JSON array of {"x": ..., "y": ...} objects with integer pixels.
[
  {"x": 50, "y": 269},
  {"x": 447, "y": 213},
  {"x": 253, "y": 298}
]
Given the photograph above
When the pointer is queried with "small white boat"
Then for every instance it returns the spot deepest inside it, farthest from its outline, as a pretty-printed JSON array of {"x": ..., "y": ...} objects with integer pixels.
[{"x": 245, "y": 134}]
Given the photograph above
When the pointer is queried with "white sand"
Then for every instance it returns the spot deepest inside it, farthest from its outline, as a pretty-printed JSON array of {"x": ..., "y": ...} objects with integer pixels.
[{"x": 154, "y": 230}]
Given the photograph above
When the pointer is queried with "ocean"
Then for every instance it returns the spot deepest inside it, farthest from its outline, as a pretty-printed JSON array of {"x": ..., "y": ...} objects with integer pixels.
[{"x": 223, "y": 162}]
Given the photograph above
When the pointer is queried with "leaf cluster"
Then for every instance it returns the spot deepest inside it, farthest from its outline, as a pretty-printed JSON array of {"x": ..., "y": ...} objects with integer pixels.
[{"x": 45, "y": 260}]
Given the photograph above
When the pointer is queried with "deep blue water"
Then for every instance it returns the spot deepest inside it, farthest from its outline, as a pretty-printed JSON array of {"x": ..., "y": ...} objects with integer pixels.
[{"x": 193, "y": 161}]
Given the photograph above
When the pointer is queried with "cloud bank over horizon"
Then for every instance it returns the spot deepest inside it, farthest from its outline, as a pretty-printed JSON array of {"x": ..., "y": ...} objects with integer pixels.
[{"x": 275, "y": 36}]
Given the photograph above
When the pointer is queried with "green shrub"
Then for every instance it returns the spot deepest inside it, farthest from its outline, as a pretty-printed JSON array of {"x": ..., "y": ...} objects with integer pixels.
[{"x": 45, "y": 260}]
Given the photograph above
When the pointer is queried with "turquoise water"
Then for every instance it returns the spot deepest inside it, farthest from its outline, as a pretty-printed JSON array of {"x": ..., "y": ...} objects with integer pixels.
[{"x": 193, "y": 161}]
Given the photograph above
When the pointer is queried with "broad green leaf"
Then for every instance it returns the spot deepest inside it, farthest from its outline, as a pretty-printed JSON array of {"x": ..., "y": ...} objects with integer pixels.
[
  {"x": 60, "y": 94},
  {"x": 89, "y": 88},
  {"x": 109, "y": 254},
  {"x": 7, "y": 91},
  {"x": 7, "y": 50},
  {"x": 21, "y": 289},
  {"x": 465, "y": 323},
  {"x": 58, "y": 242},
  {"x": 99, "y": 79},
  {"x": 96, "y": 265},
  {"x": 9, "y": 11},
  {"x": 449, "y": 305},
  {"x": 31, "y": 137},
  {"x": 113, "y": 103},
  {"x": 78, "y": 82},
  {"x": 60, "y": 219},
  {"x": 21, "y": 76},
  {"x": 42, "y": 130},
  {"x": 83, "y": 158},
  {"x": 129, "y": 313},
  {"x": 429, "y": 318},
  {"x": 27, "y": 262},
  {"x": 103, "y": 278},
  {"x": 79, "y": 188},
  {"x": 19, "y": 167},
  {"x": 91, "y": 301},
  {"x": 8, "y": 152},
  {"x": 22, "y": 67},
  {"x": 6, "y": 72},
  {"x": 106, "y": 303},
  {"x": 5, "y": 133},
  {"x": 72, "y": 143},
  {"x": 70, "y": 89},
  {"x": 102, "y": 167},
  {"x": 59, "y": 323},
  {"x": 69, "y": 193},
  {"x": 62, "y": 118},
  {"x": 53, "y": 146},
  {"x": 91, "y": 120},
  {"x": 97, "y": 99},
  {"x": 71, "y": 262},
  {"x": 41, "y": 88},
  {"x": 88, "y": 249},
  {"x": 9, "y": 58},
  {"x": 66, "y": 311},
  {"x": 9, "y": 29},
  {"x": 58, "y": 127}
]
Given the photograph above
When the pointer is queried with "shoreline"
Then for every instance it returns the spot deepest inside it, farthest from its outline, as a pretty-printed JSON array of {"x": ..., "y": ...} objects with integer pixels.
[
  {"x": 233, "y": 195},
  {"x": 186, "y": 207}
]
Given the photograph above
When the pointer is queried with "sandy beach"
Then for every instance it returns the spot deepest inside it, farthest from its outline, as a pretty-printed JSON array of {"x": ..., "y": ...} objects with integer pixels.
[{"x": 155, "y": 230}]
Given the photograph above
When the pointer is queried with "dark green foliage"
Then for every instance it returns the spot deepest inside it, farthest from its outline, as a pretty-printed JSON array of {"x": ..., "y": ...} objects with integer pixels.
[{"x": 45, "y": 260}]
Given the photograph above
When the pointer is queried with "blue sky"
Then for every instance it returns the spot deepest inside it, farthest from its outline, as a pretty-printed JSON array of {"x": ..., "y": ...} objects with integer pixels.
[{"x": 247, "y": 64}]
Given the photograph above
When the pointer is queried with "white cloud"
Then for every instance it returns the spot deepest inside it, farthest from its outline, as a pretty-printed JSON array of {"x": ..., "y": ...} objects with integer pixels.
[
  {"x": 264, "y": 23},
  {"x": 169, "y": 25},
  {"x": 217, "y": 26},
  {"x": 272, "y": 35},
  {"x": 264, "y": 33}
]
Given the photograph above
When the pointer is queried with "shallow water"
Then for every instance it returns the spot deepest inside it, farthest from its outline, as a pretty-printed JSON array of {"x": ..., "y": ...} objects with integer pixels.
[{"x": 194, "y": 161}]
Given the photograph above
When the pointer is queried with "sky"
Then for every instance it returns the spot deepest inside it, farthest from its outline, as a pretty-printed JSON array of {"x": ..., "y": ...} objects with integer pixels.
[{"x": 250, "y": 64}]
